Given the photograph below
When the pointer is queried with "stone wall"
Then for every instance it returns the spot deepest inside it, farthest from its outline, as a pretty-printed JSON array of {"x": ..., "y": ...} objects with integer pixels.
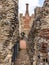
[
  {"x": 39, "y": 34},
  {"x": 8, "y": 29}
]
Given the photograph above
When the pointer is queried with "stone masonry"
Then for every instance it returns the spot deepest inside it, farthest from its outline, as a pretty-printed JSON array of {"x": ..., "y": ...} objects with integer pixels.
[
  {"x": 8, "y": 29},
  {"x": 38, "y": 37}
]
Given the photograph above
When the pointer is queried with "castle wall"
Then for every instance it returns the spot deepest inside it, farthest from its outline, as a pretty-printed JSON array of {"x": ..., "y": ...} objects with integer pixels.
[
  {"x": 8, "y": 29},
  {"x": 38, "y": 38}
]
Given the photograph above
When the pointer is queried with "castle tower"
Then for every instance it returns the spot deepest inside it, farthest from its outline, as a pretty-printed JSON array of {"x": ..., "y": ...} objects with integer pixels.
[{"x": 26, "y": 21}]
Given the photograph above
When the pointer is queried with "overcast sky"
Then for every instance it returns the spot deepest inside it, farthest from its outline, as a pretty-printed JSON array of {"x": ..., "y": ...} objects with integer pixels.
[{"x": 32, "y": 4}]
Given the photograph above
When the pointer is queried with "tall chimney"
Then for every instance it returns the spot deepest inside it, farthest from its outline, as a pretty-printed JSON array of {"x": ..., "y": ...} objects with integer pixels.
[{"x": 27, "y": 11}]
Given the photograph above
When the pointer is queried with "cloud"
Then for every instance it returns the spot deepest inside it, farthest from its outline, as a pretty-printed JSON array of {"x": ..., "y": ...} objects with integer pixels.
[{"x": 32, "y": 5}]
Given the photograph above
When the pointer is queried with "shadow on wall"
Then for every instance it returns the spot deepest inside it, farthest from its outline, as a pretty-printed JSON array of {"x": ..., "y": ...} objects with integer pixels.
[{"x": 15, "y": 50}]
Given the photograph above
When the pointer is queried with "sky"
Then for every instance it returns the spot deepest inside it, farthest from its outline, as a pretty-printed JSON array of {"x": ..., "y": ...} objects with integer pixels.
[{"x": 32, "y": 5}]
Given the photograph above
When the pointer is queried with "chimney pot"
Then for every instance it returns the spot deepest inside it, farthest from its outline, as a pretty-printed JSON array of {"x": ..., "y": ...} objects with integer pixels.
[{"x": 27, "y": 11}]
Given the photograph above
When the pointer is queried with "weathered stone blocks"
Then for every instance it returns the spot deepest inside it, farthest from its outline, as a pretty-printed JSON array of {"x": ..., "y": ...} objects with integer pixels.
[
  {"x": 38, "y": 37},
  {"x": 8, "y": 29}
]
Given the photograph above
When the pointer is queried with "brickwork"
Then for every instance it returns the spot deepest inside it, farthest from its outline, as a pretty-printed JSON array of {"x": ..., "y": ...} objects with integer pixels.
[{"x": 25, "y": 22}]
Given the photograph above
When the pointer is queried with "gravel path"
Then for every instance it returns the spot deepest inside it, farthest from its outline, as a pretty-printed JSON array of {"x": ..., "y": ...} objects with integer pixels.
[{"x": 23, "y": 58}]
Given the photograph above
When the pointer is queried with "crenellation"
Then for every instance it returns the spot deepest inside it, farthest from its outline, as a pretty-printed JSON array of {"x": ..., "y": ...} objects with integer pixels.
[{"x": 25, "y": 22}]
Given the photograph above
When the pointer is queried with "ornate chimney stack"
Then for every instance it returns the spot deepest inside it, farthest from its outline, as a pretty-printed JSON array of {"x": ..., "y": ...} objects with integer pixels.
[{"x": 27, "y": 11}]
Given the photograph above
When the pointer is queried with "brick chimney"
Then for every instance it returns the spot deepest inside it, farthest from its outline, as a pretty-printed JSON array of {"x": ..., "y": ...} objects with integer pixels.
[{"x": 27, "y": 11}]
